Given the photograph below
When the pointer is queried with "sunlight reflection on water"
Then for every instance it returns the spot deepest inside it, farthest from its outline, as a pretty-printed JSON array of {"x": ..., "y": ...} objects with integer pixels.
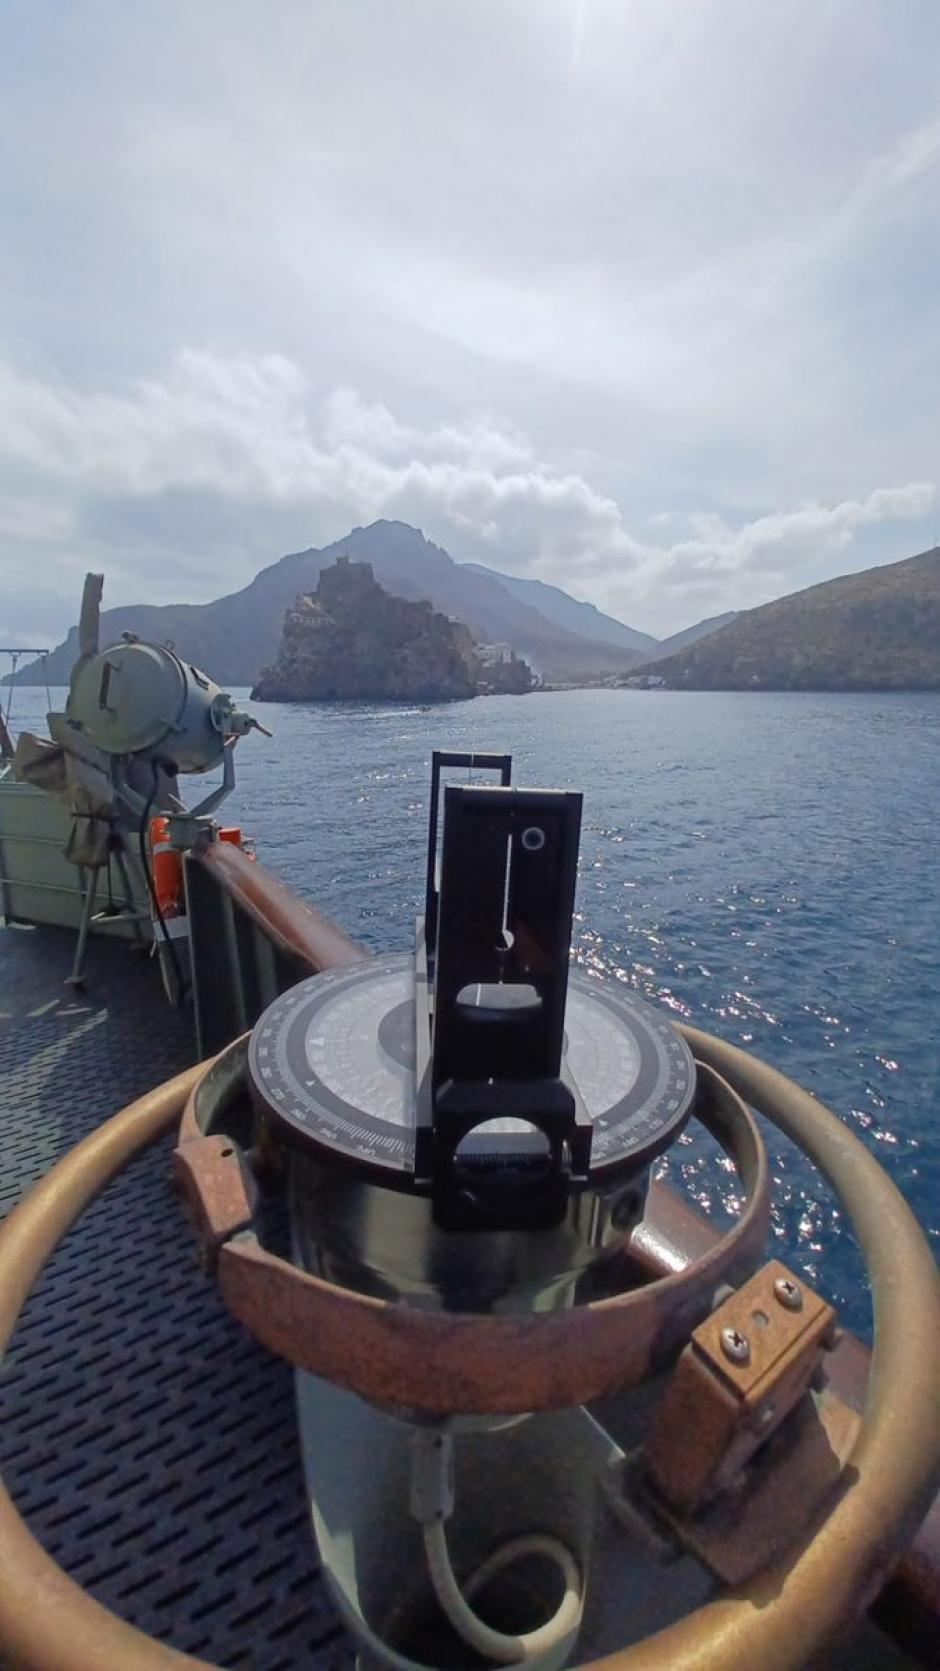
[{"x": 763, "y": 865}]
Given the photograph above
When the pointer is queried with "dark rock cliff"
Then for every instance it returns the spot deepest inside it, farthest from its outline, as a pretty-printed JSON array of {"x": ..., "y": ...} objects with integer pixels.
[{"x": 353, "y": 641}]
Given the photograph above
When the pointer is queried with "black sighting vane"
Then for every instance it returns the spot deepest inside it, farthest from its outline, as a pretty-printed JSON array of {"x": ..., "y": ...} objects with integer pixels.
[{"x": 496, "y": 996}]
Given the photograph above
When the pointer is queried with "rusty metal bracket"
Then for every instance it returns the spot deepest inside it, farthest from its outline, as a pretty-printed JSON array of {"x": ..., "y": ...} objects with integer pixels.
[
  {"x": 744, "y": 1370},
  {"x": 219, "y": 1190},
  {"x": 482, "y": 1363},
  {"x": 790, "y": 1482},
  {"x": 739, "y": 1457}
]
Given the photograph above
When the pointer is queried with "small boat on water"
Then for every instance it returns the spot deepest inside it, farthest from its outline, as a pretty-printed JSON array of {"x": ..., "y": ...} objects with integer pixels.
[{"x": 537, "y": 1410}]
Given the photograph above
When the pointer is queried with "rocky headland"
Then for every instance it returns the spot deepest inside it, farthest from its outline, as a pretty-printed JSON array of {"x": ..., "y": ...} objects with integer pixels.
[{"x": 351, "y": 640}]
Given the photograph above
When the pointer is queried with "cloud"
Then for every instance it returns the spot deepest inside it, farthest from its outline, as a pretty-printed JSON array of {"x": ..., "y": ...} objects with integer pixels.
[
  {"x": 534, "y": 275},
  {"x": 761, "y": 543},
  {"x": 181, "y": 485},
  {"x": 912, "y": 155}
]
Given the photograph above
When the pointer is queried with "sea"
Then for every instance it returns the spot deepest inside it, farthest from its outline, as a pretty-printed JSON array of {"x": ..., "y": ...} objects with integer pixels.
[{"x": 763, "y": 865}]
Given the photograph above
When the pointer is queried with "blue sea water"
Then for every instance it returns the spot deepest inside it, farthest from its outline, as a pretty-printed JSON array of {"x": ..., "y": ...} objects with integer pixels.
[{"x": 765, "y": 865}]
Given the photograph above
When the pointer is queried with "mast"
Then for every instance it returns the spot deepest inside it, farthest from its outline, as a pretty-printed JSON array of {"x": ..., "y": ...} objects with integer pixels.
[{"x": 89, "y": 621}]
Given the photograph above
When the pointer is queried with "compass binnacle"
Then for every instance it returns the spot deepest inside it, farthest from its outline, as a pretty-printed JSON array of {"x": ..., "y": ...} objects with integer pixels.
[{"x": 332, "y": 1062}]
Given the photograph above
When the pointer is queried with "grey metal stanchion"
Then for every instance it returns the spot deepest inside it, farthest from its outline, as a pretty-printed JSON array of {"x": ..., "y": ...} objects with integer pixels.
[
  {"x": 121, "y": 857},
  {"x": 77, "y": 977}
]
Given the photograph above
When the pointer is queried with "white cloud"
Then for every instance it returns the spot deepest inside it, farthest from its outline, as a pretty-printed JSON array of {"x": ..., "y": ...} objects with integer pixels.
[
  {"x": 638, "y": 297},
  {"x": 240, "y": 451},
  {"x": 718, "y": 547}
]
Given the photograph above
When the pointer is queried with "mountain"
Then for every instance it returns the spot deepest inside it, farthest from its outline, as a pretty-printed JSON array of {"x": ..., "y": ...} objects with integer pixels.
[
  {"x": 878, "y": 630},
  {"x": 690, "y": 635},
  {"x": 587, "y": 619},
  {"x": 567, "y": 612},
  {"x": 235, "y": 636}
]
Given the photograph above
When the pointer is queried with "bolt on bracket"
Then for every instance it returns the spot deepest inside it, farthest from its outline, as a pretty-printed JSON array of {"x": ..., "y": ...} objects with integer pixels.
[{"x": 743, "y": 1372}]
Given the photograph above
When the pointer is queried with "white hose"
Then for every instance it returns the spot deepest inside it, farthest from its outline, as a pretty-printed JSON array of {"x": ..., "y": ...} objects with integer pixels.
[
  {"x": 536, "y": 1544},
  {"x": 494, "y": 1644}
]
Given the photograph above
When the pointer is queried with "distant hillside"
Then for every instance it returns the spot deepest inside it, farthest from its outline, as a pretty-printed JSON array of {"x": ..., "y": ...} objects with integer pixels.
[
  {"x": 879, "y": 630},
  {"x": 690, "y": 635},
  {"x": 567, "y": 612},
  {"x": 235, "y": 636}
]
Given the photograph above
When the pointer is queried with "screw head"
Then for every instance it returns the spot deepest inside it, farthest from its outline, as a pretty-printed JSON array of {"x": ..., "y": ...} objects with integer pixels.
[
  {"x": 735, "y": 1346},
  {"x": 789, "y": 1293}
]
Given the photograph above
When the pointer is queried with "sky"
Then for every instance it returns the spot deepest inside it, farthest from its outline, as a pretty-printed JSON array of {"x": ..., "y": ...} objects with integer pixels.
[{"x": 640, "y": 299}]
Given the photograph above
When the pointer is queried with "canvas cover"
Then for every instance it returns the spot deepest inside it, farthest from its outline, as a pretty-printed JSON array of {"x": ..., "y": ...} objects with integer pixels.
[{"x": 78, "y": 781}]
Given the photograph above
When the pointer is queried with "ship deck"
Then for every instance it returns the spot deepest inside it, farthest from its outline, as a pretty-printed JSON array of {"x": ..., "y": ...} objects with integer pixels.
[
  {"x": 146, "y": 1439},
  {"x": 149, "y": 1443}
]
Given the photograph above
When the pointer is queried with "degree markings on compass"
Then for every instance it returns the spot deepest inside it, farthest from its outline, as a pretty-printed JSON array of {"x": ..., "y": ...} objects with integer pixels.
[{"x": 629, "y": 1065}]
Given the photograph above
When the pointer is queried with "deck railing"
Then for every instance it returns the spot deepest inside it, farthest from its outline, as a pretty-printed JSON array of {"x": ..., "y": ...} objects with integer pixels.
[{"x": 251, "y": 939}]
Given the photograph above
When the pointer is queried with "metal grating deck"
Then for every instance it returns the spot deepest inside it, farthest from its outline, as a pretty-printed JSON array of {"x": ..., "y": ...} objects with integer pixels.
[{"x": 150, "y": 1444}]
